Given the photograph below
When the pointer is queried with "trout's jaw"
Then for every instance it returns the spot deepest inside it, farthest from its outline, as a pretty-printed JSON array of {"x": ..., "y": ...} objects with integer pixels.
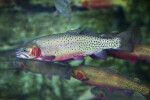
[{"x": 22, "y": 55}]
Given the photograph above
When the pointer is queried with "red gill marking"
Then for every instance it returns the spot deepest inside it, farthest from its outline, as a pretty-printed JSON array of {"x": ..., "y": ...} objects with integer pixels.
[
  {"x": 36, "y": 51},
  {"x": 79, "y": 75}
]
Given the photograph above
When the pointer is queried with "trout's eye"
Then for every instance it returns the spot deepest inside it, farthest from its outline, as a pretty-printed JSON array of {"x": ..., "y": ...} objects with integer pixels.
[{"x": 25, "y": 50}]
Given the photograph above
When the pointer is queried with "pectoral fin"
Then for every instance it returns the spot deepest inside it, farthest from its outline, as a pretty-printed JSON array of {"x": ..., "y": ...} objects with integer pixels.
[{"x": 48, "y": 58}]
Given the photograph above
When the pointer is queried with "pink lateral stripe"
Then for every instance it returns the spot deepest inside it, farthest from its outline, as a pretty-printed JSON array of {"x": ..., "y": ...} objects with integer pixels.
[{"x": 64, "y": 57}]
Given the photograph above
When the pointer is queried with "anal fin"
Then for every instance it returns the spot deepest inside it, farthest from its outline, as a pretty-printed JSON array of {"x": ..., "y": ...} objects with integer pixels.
[{"x": 101, "y": 54}]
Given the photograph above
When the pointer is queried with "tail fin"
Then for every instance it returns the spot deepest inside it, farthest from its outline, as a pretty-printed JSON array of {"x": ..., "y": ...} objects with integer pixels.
[{"x": 126, "y": 43}]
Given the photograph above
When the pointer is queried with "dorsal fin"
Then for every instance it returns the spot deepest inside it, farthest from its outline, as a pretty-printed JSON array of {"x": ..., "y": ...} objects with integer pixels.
[
  {"x": 82, "y": 31},
  {"x": 74, "y": 32},
  {"x": 87, "y": 31},
  {"x": 108, "y": 35}
]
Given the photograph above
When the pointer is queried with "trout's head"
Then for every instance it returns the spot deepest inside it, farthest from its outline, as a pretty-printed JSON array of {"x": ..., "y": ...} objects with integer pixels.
[{"x": 28, "y": 51}]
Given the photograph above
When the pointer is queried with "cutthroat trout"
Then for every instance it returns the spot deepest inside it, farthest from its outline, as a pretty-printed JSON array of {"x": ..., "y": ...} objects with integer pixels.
[
  {"x": 71, "y": 44},
  {"x": 46, "y": 68},
  {"x": 107, "y": 78}
]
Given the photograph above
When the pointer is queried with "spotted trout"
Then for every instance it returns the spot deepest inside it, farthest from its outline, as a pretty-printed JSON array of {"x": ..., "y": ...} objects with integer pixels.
[
  {"x": 107, "y": 78},
  {"x": 46, "y": 68},
  {"x": 71, "y": 44}
]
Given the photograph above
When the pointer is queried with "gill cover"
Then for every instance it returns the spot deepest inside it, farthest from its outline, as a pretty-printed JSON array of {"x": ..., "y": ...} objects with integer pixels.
[
  {"x": 79, "y": 75},
  {"x": 36, "y": 51}
]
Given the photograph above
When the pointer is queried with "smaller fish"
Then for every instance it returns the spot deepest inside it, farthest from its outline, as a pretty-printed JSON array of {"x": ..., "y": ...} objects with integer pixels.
[
  {"x": 101, "y": 94},
  {"x": 47, "y": 68},
  {"x": 106, "y": 78},
  {"x": 140, "y": 52}
]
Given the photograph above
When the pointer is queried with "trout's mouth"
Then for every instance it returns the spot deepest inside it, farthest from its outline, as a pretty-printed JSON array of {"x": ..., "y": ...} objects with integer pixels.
[{"x": 22, "y": 55}]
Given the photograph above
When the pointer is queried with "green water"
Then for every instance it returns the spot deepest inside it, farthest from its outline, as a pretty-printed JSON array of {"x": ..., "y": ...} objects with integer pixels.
[{"x": 19, "y": 24}]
